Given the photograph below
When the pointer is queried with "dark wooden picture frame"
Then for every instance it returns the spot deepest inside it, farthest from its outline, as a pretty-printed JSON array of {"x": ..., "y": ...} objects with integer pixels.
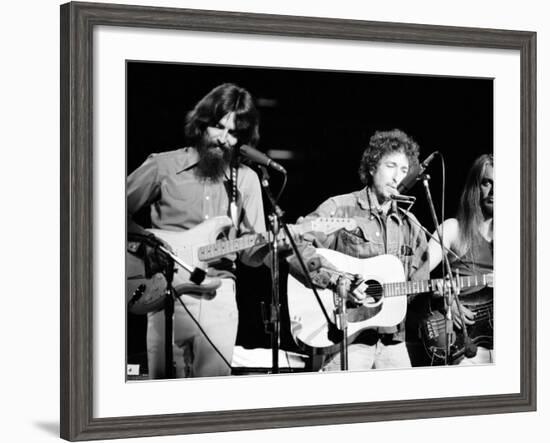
[{"x": 77, "y": 213}]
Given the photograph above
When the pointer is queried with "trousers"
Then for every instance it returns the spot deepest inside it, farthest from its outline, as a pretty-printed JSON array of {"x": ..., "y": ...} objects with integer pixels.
[
  {"x": 363, "y": 356},
  {"x": 194, "y": 356},
  {"x": 483, "y": 356}
]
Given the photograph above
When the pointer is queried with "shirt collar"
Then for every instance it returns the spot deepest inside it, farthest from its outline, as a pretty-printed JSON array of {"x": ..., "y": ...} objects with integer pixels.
[
  {"x": 362, "y": 199},
  {"x": 368, "y": 200},
  {"x": 190, "y": 158}
]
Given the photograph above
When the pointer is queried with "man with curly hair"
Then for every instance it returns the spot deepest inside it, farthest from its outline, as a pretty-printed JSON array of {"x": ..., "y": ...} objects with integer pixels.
[{"x": 382, "y": 228}]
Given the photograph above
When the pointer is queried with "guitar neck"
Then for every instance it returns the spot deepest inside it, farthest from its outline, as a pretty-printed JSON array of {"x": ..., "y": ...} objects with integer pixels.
[
  {"x": 418, "y": 286},
  {"x": 224, "y": 247}
]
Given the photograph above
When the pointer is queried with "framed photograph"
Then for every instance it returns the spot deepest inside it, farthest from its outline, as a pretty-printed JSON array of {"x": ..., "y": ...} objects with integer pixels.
[{"x": 324, "y": 89}]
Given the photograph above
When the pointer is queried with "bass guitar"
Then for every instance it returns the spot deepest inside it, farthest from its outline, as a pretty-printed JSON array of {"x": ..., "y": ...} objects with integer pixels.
[
  {"x": 432, "y": 329},
  {"x": 384, "y": 304},
  {"x": 199, "y": 247}
]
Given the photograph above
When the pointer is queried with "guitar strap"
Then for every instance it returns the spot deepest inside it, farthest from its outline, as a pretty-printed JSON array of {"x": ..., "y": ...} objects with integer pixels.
[
  {"x": 233, "y": 212},
  {"x": 233, "y": 194}
]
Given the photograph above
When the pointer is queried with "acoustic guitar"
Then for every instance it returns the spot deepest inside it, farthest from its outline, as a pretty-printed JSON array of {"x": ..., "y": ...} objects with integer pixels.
[{"x": 384, "y": 303}]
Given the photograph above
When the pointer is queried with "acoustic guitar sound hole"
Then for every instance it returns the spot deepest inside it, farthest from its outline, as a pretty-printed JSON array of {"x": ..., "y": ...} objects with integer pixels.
[
  {"x": 363, "y": 312},
  {"x": 374, "y": 292}
]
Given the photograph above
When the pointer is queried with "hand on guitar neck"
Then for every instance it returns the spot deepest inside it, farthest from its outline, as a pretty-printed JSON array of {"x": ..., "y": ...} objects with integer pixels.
[{"x": 444, "y": 286}]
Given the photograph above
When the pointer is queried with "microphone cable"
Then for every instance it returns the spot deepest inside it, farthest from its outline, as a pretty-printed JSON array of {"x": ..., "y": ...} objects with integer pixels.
[
  {"x": 289, "y": 365},
  {"x": 177, "y": 297},
  {"x": 283, "y": 186}
]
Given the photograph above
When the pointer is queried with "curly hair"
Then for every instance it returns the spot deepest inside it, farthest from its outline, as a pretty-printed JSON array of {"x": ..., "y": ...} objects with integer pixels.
[
  {"x": 383, "y": 143},
  {"x": 215, "y": 105}
]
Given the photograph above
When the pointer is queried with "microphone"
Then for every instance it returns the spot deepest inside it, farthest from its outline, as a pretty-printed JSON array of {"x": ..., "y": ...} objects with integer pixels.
[
  {"x": 260, "y": 158},
  {"x": 412, "y": 177}
]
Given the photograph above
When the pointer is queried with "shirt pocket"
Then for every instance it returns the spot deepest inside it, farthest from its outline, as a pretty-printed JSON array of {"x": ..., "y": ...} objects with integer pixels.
[
  {"x": 360, "y": 243},
  {"x": 182, "y": 191}
]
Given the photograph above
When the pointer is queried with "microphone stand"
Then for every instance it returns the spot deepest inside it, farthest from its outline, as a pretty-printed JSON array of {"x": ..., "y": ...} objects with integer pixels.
[
  {"x": 197, "y": 275},
  {"x": 446, "y": 269},
  {"x": 340, "y": 296},
  {"x": 450, "y": 293},
  {"x": 275, "y": 308},
  {"x": 273, "y": 320},
  {"x": 272, "y": 316},
  {"x": 169, "y": 370}
]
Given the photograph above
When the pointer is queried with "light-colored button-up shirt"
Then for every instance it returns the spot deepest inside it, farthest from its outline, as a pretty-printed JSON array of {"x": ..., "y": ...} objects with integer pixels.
[{"x": 168, "y": 184}]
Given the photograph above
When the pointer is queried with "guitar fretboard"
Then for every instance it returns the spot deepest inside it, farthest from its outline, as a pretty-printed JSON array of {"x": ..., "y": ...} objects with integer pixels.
[
  {"x": 419, "y": 286},
  {"x": 224, "y": 247}
]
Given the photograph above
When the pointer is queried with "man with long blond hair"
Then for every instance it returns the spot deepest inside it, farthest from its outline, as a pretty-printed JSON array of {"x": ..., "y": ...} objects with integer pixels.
[{"x": 469, "y": 237}]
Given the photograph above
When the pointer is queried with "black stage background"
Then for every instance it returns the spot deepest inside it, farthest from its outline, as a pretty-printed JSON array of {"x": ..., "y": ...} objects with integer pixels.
[{"x": 325, "y": 118}]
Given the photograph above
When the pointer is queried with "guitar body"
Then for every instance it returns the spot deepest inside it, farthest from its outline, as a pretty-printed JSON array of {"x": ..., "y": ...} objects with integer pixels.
[
  {"x": 308, "y": 324},
  {"x": 481, "y": 332},
  {"x": 186, "y": 244},
  {"x": 145, "y": 295}
]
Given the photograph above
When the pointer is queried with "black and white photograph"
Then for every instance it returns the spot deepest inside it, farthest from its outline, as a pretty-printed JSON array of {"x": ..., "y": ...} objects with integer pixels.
[
  {"x": 278, "y": 221},
  {"x": 284, "y": 220},
  {"x": 274, "y": 221}
]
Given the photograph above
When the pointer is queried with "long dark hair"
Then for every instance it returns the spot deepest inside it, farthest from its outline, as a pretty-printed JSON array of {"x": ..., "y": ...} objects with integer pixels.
[
  {"x": 470, "y": 214},
  {"x": 217, "y": 103}
]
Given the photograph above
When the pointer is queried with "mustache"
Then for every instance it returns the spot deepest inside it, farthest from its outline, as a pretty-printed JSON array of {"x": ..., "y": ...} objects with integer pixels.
[
  {"x": 222, "y": 146},
  {"x": 206, "y": 146}
]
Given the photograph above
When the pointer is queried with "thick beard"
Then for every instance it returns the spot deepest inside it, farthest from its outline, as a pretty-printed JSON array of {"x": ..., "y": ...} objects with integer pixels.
[
  {"x": 487, "y": 210},
  {"x": 212, "y": 163}
]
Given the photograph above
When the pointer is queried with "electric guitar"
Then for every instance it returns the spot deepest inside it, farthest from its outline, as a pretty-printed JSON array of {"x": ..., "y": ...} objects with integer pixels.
[
  {"x": 199, "y": 247},
  {"x": 384, "y": 305},
  {"x": 432, "y": 329}
]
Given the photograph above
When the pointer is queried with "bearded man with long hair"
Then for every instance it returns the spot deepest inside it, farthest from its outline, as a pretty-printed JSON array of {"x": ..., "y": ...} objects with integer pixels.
[
  {"x": 469, "y": 237},
  {"x": 184, "y": 188}
]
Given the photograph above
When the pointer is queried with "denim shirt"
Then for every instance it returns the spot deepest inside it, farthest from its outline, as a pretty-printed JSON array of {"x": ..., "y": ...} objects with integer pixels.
[{"x": 396, "y": 233}]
